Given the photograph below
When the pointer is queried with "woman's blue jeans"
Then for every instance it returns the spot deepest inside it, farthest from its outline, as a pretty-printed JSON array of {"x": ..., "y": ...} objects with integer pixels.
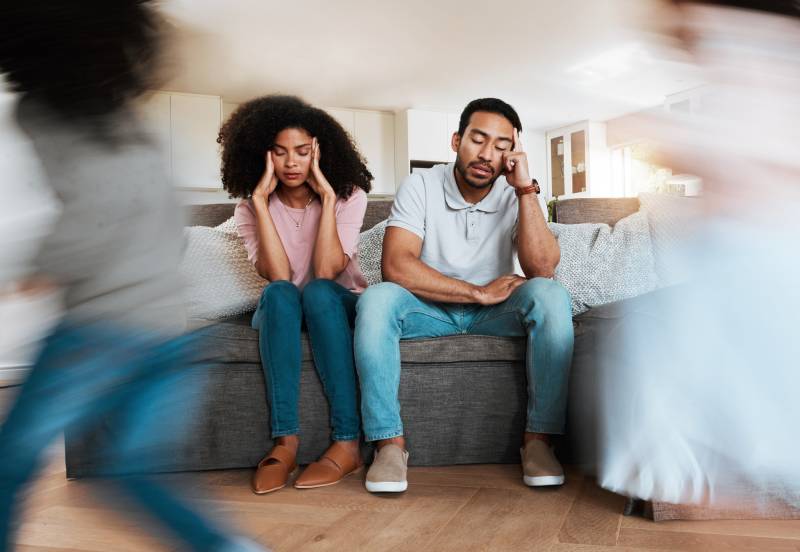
[{"x": 328, "y": 312}]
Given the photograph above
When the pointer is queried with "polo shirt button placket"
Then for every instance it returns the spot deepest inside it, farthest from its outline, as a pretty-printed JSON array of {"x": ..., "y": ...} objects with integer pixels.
[{"x": 472, "y": 223}]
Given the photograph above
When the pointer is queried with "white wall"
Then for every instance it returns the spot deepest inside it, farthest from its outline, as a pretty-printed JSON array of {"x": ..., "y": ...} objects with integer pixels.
[
  {"x": 535, "y": 144},
  {"x": 227, "y": 109}
]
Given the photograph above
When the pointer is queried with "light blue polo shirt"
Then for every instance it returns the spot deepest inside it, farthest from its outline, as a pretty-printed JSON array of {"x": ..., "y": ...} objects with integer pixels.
[{"x": 471, "y": 242}]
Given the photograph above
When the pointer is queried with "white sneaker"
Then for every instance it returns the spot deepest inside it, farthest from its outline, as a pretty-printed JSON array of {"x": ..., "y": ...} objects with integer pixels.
[
  {"x": 540, "y": 467},
  {"x": 388, "y": 472}
]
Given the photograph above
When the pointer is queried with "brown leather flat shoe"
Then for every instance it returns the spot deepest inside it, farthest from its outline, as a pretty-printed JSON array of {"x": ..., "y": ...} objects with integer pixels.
[
  {"x": 274, "y": 470},
  {"x": 336, "y": 464}
]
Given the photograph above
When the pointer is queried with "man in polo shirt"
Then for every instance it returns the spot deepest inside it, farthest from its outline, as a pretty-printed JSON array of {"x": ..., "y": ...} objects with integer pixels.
[{"x": 448, "y": 265}]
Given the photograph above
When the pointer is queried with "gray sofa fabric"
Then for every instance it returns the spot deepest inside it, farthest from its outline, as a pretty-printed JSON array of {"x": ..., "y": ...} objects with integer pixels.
[
  {"x": 233, "y": 340},
  {"x": 463, "y": 398},
  {"x": 594, "y": 209},
  {"x": 595, "y": 331},
  {"x": 214, "y": 214}
]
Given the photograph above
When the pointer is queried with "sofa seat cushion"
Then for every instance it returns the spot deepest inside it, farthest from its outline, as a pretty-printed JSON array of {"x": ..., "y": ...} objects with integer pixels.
[{"x": 233, "y": 340}]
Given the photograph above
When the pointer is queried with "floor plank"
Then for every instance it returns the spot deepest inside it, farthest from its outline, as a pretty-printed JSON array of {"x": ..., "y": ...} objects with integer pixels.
[
  {"x": 354, "y": 532},
  {"x": 475, "y": 526},
  {"x": 88, "y": 529},
  {"x": 418, "y": 525},
  {"x": 594, "y": 518}
]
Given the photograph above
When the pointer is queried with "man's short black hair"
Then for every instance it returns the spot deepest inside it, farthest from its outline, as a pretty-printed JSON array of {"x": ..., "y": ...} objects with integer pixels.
[{"x": 490, "y": 105}]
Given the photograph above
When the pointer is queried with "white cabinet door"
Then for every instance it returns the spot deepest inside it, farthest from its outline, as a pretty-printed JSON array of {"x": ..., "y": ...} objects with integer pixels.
[
  {"x": 578, "y": 161},
  {"x": 195, "y": 152},
  {"x": 374, "y": 134},
  {"x": 427, "y": 136},
  {"x": 346, "y": 118}
]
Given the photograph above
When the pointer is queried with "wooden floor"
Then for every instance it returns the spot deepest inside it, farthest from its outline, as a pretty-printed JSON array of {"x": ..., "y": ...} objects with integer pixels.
[
  {"x": 455, "y": 508},
  {"x": 458, "y": 508}
]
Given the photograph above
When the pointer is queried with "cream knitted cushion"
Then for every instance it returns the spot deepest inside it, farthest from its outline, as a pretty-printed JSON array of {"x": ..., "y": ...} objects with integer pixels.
[
  {"x": 370, "y": 247},
  {"x": 220, "y": 281},
  {"x": 600, "y": 264}
]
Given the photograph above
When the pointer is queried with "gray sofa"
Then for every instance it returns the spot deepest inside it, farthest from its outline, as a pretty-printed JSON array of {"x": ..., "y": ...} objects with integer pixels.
[{"x": 463, "y": 397}]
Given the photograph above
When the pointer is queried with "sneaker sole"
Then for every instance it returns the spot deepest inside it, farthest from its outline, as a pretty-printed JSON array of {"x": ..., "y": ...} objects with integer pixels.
[
  {"x": 543, "y": 480},
  {"x": 386, "y": 486}
]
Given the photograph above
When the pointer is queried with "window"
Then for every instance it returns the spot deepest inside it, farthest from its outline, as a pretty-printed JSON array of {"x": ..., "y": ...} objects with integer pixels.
[{"x": 634, "y": 171}]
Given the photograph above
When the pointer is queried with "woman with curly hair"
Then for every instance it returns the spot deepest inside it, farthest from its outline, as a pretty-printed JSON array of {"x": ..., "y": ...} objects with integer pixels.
[{"x": 303, "y": 189}]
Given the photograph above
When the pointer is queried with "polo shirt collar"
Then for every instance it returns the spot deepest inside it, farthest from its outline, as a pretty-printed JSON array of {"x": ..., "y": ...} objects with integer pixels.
[{"x": 454, "y": 199}]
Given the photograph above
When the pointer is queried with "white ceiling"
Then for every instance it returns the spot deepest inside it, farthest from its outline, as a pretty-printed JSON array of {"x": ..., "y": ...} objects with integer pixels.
[{"x": 556, "y": 61}]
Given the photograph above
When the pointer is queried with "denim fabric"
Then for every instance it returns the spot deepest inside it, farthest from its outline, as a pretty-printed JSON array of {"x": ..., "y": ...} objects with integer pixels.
[
  {"x": 387, "y": 313},
  {"x": 95, "y": 375},
  {"x": 328, "y": 311}
]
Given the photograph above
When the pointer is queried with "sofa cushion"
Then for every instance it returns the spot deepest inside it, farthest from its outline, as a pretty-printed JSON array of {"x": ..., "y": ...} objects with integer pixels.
[
  {"x": 672, "y": 220},
  {"x": 233, "y": 340},
  {"x": 370, "y": 249},
  {"x": 219, "y": 279},
  {"x": 600, "y": 264}
]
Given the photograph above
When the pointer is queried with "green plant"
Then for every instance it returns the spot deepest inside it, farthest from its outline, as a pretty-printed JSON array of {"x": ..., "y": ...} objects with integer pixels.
[{"x": 551, "y": 209}]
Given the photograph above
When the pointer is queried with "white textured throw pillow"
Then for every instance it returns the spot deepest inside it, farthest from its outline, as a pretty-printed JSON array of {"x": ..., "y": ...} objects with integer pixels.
[
  {"x": 672, "y": 220},
  {"x": 370, "y": 247},
  {"x": 227, "y": 226},
  {"x": 600, "y": 264},
  {"x": 221, "y": 282}
]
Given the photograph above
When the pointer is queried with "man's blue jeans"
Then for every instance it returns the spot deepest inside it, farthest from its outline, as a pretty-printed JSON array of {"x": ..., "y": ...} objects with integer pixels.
[
  {"x": 328, "y": 311},
  {"x": 539, "y": 310}
]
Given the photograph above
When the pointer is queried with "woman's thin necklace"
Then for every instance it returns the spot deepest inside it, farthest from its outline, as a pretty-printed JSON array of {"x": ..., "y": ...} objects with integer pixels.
[{"x": 298, "y": 223}]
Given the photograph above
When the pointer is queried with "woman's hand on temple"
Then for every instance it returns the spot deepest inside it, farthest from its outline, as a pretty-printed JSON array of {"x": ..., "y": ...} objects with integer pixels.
[
  {"x": 316, "y": 180},
  {"x": 268, "y": 182}
]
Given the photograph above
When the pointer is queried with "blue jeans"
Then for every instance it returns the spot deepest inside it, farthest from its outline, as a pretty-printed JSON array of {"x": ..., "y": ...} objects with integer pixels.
[
  {"x": 328, "y": 310},
  {"x": 95, "y": 376},
  {"x": 539, "y": 310}
]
